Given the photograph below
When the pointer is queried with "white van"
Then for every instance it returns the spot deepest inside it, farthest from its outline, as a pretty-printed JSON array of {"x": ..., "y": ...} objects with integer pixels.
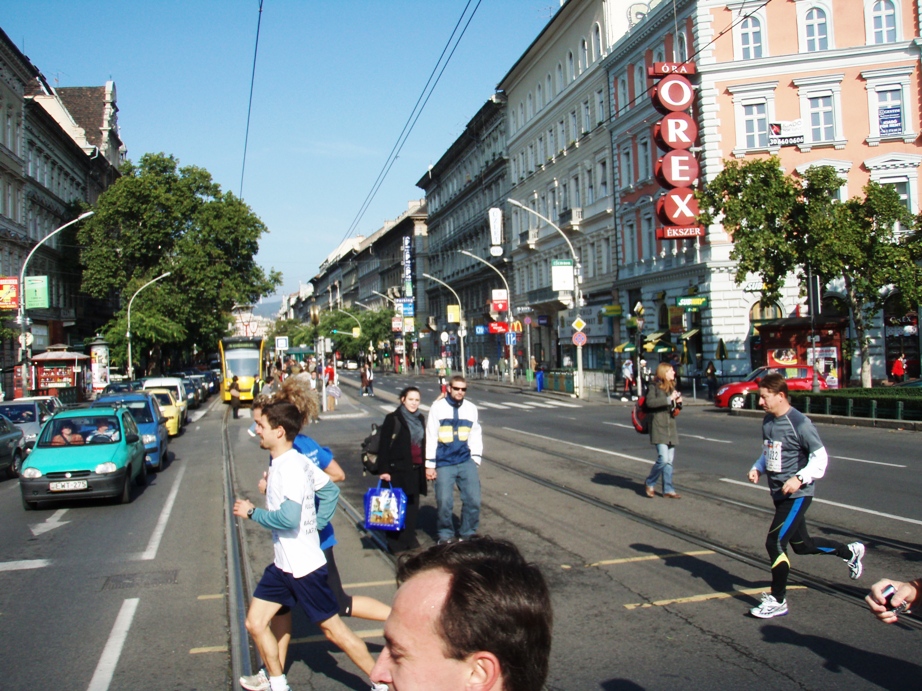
[{"x": 175, "y": 385}]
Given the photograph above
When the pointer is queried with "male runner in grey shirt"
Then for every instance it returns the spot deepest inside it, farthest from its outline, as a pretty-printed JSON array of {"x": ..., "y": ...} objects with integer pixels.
[{"x": 792, "y": 457}]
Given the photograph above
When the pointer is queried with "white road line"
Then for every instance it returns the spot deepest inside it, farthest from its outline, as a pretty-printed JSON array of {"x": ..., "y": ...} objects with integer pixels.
[
  {"x": 154, "y": 543},
  {"x": 541, "y": 405},
  {"x": 385, "y": 408},
  {"x": 693, "y": 436},
  {"x": 832, "y": 503},
  {"x": 582, "y": 446},
  {"x": 561, "y": 404},
  {"x": 518, "y": 405},
  {"x": 861, "y": 460},
  {"x": 24, "y": 564},
  {"x": 105, "y": 669},
  {"x": 494, "y": 405}
]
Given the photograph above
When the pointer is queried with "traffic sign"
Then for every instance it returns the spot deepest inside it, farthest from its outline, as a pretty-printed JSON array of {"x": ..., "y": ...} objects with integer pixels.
[
  {"x": 579, "y": 338},
  {"x": 281, "y": 343},
  {"x": 511, "y": 338},
  {"x": 26, "y": 339},
  {"x": 579, "y": 324}
]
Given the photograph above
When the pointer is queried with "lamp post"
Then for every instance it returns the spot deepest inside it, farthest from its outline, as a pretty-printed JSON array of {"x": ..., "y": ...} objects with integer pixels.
[
  {"x": 24, "y": 350},
  {"x": 461, "y": 329},
  {"x": 398, "y": 361},
  {"x": 508, "y": 304},
  {"x": 128, "y": 333},
  {"x": 577, "y": 293}
]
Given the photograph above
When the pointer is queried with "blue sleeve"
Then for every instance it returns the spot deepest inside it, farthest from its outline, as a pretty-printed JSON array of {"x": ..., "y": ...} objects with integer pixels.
[
  {"x": 328, "y": 496},
  {"x": 287, "y": 517},
  {"x": 320, "y": 456}
]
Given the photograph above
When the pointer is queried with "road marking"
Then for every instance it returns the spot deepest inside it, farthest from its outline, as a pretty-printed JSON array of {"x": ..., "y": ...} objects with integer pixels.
[
  {"x": 652, "y": 557},
  {"x": 498, "y": 406},
  {"x": 50, "y": 523},
  {"x": 705, "y": 597},
  {"x": 154, "y": 544},
  {"x": 385, "y": 408},
  {"x": 215, "y": 596},
  {"x": 693, "y": 436},
  {"x": 208, "y": 649},
  {"x": 582, "y": 446},
  {"x": 369, "y": 584},
  {"x": 561, "y": 404},
  {"x": 861, "y": 460},
  {"x": 370, "y": 633},
  {"x": 518, "y": 405},
  {"x": 832, "y": 503},
  {"x": 24, "y": 564},
  {"x": 341, "y": 416},
  {"x": 102, "y": 677},
  {"x": 541, "y": 405}
]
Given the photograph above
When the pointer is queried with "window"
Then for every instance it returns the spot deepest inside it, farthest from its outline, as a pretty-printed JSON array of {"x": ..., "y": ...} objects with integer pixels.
[
  {"x": 817, "y": 33},
  {"x": 530, "y": 110},
  {"x": 606, "y": 255},
  {"x": 753, "y": 107},
  {"x": 822, "y": 128},
  {"x": 562, "y": 135},
  {"x": 883, "y": 22},
  {"x": 583, "y": 55},
  {"x": 596, "y": 42},
  {"x": 821, "y": 108},
  {"x": 756, "y": 123},
  {"x": 600, "y": 106},
  {"x": 539, "y": 97},
  {"x": 640, "y": 82},
  {"x": 603, "y": 178},
  {"x": 571, "y": 67},
  {"x": 649, "y": 241},
  {"x": 900, "y": 171},
  {"x": 551, "y": 143},
  {"x": 623, "y": 98},
  {"x": 682, "y": 48},
  {"x": 888, "y": 92},
  {"x": 630, "y": 243},
  {"x": 574, "y": 127},
  {"x": 559, "y": 78},
  {"x": 627, "y": 166},
  {"x": 587, "y": 117},
  {"x": 590, "y": 187},
  {"x": 548, "y": 89},
  {"x": 751, "y": 38},
  {"x": 542, "y": 150},
  {"x": 577, "y": 199}
]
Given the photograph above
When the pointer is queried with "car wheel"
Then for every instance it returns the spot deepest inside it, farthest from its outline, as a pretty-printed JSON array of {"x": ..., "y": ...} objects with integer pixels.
[
  {"x": 159, "y": 466},
  {"x": 29, "y": 505},
  {"x": 125, "y": 495},
  {"x": 141, "y": 478},
  {"x": 737, "y": 402},
  {"x": 15, "y": 466}
]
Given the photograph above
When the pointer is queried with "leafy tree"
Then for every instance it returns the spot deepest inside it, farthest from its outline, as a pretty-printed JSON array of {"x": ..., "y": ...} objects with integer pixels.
[
  {"x": 782, "y": 224},
  {"x": 375, "y": 325},
  {"x": 159, "y": 217}
]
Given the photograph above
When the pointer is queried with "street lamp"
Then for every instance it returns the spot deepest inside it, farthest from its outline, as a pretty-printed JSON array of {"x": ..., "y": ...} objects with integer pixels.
[
  {"x": 353, "y": 317},
  {"x": 128, "y": 333},
  {"x": 577, "y": 292},
  {"x": 508, "y": 304},
  {"x": 398, "y": 361},
  {"x": 461, "y": 329},
  {"x": 24, "y": 349}
]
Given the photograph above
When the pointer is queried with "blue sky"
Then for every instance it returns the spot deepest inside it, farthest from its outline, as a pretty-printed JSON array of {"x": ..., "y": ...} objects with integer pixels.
[{"x": 335, "y": 82}]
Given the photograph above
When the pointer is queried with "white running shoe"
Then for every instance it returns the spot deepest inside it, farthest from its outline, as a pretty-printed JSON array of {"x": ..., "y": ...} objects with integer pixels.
[
  {"x": 855, "y": 568},
  {"x": 256, "y": 682},
  {"x": 378, "y": 687},
  {"x": 770, "y": 607}
]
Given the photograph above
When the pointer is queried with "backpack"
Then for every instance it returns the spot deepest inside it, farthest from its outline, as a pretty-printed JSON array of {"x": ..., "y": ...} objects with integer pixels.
[
  {"x": 640, "y": 416},
  {"x": 371, "y": 448}
]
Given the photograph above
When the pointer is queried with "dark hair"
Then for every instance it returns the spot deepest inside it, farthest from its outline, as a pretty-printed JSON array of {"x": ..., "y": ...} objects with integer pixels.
[
  {"x": 773, "y": 382},
  {"x": 403, "y": 394},
  {"x": 496, "y": 602},
  {"x": 457, "y": 378}
]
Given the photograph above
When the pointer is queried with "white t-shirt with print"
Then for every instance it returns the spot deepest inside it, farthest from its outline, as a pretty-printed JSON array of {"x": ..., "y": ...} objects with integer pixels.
[{"x": 293, "y": 477}]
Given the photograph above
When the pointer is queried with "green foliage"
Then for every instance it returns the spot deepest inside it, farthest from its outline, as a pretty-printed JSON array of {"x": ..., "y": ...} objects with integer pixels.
[
  {"x": 375, "y": 325},
  {"x": 159, "y": 217}
]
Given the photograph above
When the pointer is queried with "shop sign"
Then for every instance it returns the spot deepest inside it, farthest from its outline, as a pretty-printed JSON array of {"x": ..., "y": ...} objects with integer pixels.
[{"x": 696, "y": 301}]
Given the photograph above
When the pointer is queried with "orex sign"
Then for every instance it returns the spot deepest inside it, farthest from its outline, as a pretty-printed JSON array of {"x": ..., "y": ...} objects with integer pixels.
[{"x": 695, "y": 301}]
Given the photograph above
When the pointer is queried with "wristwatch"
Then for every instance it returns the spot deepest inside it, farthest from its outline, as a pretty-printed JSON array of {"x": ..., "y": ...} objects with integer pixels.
[{"x": 250, "y": 513}]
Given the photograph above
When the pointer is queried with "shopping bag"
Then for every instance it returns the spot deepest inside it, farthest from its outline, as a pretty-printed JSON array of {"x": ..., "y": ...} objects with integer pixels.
[
  {"x": 334, "y": 391},
  {"x": 385, "y": 508}
]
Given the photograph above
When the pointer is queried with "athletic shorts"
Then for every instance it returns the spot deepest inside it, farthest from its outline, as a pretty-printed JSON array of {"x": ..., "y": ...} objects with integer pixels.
[{"x": 310, "y": 591}]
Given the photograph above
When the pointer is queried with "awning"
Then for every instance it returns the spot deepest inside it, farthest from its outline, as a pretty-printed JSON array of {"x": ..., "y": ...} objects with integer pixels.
[
  {"x": 655, "y": 337},
  {"x": 626, "y": 347},
  {"x": 689, "y": 334},
  {"x": 659, "y": 347}
]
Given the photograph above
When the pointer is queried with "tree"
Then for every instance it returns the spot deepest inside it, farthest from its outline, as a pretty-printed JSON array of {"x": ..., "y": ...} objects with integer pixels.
[
  {"x": 781, "y": 224},
  {"x": 158, "y": 217}
]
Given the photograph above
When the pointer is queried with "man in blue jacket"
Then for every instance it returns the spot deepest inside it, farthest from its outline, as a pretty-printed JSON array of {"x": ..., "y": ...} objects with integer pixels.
[{"x": 454, "y": 447}]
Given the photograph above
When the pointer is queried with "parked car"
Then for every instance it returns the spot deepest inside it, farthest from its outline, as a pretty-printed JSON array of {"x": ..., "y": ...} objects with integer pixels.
[
  {"x": 53, "y": 403},
  {"x": 151, "y": 421},
  {"x": 11, "y": 447},
  {"x": 84, "y": 453},
  {"x": 121, "y": 387},
  {"x": 733, "y": 395},
  {"x": 911, "y": 384},
  {"x": 175, "y": 385},
  {"x": 27, "y": 414},
  {"x": 203, "y": 387},
  {"x": 193, "y": 394},
  {"x": 214, "y": 381},
  {"x": 170, "y": 409}
]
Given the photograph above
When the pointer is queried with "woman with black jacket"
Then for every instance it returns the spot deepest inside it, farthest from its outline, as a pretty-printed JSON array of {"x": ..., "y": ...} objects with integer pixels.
[
  {"x": 403, "y": 435},
  {"x": 662, "y": 401}
]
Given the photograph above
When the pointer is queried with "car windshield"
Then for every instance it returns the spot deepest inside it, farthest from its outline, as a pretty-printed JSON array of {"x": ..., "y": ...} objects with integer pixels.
[
  {"x": 89, "y": 429},
  {"x": 163, "y": 399},
  {"x": 19, "y": 413},
  {"x": 758, "y": 374},
  {"x": 140, "y": 411}
]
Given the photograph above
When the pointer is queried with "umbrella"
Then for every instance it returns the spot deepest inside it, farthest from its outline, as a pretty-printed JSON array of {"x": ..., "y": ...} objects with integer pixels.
[
  {"x": 722, "y": 352},
  {"x": 626, "y": 347},
  {"x": 659, "y": 346},
  {"x": 685, "y": 358}
]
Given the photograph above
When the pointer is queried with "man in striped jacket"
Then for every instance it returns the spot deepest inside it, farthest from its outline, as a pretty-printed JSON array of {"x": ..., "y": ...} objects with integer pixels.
[{"x": 454, "y": 446}]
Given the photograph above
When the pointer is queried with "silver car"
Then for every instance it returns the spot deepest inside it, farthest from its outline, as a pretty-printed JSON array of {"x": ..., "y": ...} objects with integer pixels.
[{"x": 28, "y": 415}]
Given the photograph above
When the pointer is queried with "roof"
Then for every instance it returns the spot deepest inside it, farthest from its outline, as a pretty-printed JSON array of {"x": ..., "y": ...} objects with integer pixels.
[{"x": 87, "y": 106}]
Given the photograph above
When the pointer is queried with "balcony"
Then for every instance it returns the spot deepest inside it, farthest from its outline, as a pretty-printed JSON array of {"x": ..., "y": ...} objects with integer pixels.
[
  {"x": 570, "y": 219},
  {"x": 528, "y": 239}
]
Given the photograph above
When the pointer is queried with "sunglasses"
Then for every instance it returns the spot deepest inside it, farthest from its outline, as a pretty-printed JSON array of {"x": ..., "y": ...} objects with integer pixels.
[{"x": 459, "y": 388}]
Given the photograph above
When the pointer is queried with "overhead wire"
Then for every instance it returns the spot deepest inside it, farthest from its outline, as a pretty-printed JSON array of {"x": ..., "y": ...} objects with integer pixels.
[
  {"x": 415, "y": 113},
  {"x": 246, "y": 136}
]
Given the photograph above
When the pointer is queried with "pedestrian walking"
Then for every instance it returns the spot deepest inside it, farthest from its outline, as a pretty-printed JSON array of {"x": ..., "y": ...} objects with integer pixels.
[
  {"x": 485, "y": 363},
  {"x": 898, "y": 370},
  {"x": 298, "y": 574},
  {"x": 402, "y": 461},
  {"x": 235, "y": 396},
  {"x": 454, "y": 448},
  {"x": 471, "y": 365},
  {"x": 793, "y": 457},
  {"x": 627, "y": 373},
  {"x": 662, "y": 400},
  {"x": 711, "y": 376}
]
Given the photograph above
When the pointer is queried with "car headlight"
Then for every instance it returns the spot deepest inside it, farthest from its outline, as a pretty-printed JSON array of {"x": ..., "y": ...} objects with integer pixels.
[
  {"x": 30, "y": 437},
  {"x": 31, "y": 473},
  {"x": 148, "y": 438},
  {"x": 106, "y": 468},
  {"x": 190, "y": 396},
  {"x": 722, "y": 390}
]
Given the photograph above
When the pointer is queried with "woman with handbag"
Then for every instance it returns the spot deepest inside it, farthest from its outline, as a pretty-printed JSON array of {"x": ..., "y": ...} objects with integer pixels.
[
  {"x": 403, "y": 436},
  {"x": 663, "y": 401}
]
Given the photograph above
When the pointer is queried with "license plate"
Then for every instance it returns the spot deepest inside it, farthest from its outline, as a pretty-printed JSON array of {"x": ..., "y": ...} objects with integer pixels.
[{"x": 67, "y": 485}]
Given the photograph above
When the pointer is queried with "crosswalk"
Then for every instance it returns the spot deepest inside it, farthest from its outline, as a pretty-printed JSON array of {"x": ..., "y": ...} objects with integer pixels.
[{"x": 504, "y": 405}]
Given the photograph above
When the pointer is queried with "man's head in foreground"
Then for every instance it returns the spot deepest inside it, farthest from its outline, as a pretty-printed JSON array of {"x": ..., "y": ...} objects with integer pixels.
[{"x": 471, "y": 615}]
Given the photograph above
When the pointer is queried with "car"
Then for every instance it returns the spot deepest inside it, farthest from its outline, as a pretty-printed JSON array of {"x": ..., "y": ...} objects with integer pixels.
[
  {"x": 193, "y": 393},
  {"x": 202, "y": 384},
  {"x": 27, "y": 414},
  {"x": 11, "y": 447},
  {"x": 151, "y": 421},
  {"x": 213, "y": 381},
  {"x": 175, "y": 385},
  {"x": 733, "y": 395},
  {"x": 170, "y": 409},
  {"x": 53, "y": 403},
  {"x": 121, "y": 387},
  {"x": 911, "y": 384},
  {"x": 84, "y": 453}
]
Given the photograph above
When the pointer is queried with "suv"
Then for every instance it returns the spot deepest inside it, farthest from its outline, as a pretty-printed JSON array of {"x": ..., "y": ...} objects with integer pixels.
[
  {"x": 150, "y": 420},
  {"x": 734, "y": 395}
]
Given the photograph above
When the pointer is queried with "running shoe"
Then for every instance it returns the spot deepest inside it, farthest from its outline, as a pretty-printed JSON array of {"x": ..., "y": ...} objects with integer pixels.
[
  {"x": 256, "y": 682},
  {"x": 855, "y": 567},
  {"x": 770, "y": 607},
  {"x": 378, "y": 687}
]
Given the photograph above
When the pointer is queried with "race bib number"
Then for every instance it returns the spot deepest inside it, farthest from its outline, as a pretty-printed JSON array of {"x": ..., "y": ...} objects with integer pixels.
[{"x": 772, "y": 456}]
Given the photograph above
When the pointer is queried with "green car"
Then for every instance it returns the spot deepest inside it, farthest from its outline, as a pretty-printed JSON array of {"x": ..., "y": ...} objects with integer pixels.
[{"x": 84, "y": 454}]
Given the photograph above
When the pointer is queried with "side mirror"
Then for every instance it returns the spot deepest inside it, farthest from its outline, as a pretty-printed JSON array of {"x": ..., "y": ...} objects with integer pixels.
[
  {"x": 132, "y": 438},
  {"x": 162, "y": 421},
  {"x": 44, "y": 418}
]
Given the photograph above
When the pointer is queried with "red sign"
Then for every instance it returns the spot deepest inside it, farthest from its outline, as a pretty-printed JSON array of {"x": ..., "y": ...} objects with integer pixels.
[
  {"x": 673, "y": 94},
  {"x": 678, "y": 168},
  {"x": 678, "y": 207},
  {"x": 679, "y": 232},
  {"x": 9, "y": 293},
  {"x": 579, "y": 338},
  {"x": 676, "y": 131},
  {"x": 500, "y": 306},
  {"x": 661, "y": 69},
  {"x": 498, "y": 327}
]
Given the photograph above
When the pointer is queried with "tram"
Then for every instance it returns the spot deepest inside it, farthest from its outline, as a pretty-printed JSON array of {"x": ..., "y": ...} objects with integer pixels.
[{"x": 242, "y": 357}]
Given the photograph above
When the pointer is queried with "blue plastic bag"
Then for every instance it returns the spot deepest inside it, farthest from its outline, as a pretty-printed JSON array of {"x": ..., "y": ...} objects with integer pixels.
[{"x": 385, "y": 508}]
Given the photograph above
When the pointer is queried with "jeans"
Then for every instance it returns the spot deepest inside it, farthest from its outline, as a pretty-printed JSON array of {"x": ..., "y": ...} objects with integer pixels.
[
  {"x": 665, "y": 454},
  {"x": 466, "y": 477}
]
